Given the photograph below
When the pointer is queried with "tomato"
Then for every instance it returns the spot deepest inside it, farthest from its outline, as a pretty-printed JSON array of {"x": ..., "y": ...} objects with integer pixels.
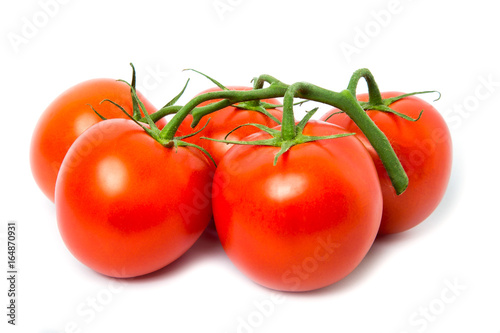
[
  {"x": 67, "y": 117},
  {"x": 126, "y": 205},
  {"x": 304, "y": 223},
  {"x": 425, "y": 150},
  {"x": 224, "y": 121}
]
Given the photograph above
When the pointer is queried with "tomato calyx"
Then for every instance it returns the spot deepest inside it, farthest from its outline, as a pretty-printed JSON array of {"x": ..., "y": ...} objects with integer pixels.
[
  {"x": 375, "y": 101},
  {"x": 385, "y": 106},
  {"x": 136, "y": 110},
  {"x": 151, "y": 128},
  {"x": 259, "y": 107},
  {"x": 277, "y": 139}
]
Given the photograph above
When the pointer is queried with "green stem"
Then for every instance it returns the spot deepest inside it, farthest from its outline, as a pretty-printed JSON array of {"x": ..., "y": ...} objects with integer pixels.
[
  {"x": 288, "y": 131},
  {"x": 200, "y": 112},
  {"x": 259, "y": 81},
  {"x": 373, "y": 90},
  {"x": 229, "y": 97},
  {"x": 346, "y": 101},
  {"x": 165, "y": 111}
]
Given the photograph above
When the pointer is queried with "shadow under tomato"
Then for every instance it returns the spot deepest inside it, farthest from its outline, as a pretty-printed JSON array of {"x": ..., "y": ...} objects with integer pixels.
[
  {"x": 207, "y": 246},
  {"x": 367, "y": 268}
]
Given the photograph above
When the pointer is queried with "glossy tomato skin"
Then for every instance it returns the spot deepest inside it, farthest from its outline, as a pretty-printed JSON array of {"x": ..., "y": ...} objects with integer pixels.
[
  {"x": 305, "y": 223},
  {"x": 225, "y": 120},
  {"x": 67, "y": 117},
  {"x": 424, "y": 148},
  {"x": 127, "y": 206}
]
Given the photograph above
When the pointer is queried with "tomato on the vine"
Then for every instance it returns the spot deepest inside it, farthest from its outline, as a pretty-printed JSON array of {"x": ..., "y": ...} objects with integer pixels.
[
  {"x": 67, "y": 117},
  {"x": 425, "y": 150},
  {"x": 224, "y": 121},
  {"x": 130, "y": 205},
  {"x": 305, "y": 222}
]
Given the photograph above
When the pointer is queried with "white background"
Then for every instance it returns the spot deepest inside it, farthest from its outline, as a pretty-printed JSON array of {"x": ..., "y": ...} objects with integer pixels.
[{"x": 420, "y": 45}]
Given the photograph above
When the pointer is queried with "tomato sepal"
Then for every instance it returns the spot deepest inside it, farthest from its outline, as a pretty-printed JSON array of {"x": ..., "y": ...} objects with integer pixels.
[
  {"x": 98, "y": 114},
  {"x": 368, "y": 106},
  {"x": 179, "y": 143},
  {"x": 179, "y": 95},
  {"x": 261, "y": 108},
  {"x": 214, "y": 81},
  {"x": 135, "y": 107}
]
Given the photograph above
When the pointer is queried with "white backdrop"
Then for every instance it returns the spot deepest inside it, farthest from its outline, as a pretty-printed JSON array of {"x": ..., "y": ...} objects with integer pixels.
[{"x": 441, "y": 276}]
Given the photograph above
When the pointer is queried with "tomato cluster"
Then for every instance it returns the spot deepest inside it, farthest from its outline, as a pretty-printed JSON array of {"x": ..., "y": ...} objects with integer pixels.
[{"x": 296, "y": 204}]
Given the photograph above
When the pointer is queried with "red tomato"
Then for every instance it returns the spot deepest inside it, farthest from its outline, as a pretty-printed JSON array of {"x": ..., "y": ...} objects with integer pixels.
[
  {"x": 67, "y": 117},
  {"x": 304, "y": 223},
  {"x": 130, "y": 206},
  {"x": 425, "y": 151},
  {"x": 224, "y": 121}
]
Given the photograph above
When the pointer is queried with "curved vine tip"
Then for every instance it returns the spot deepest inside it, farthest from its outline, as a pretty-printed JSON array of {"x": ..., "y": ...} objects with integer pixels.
[
  {"x": 176, "y": 98},
  {"x": 133, "y": 76},
  {"x": 97, "y": 113}
]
